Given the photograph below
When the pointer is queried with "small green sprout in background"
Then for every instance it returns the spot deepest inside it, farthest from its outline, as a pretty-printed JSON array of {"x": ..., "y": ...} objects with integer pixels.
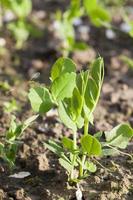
[
  {"x": 4, "y": 85},
  {"x": 65, "y": 29},
  {"x": 99, "y": 16},
  {"x": 76, "y": 96},
  {"x": 9, "y": 144},
  {"x": 20, "y": 27},
  {"x": 10, "y": 106},
  {"x": 64, "y": 23},
  {"x": 128, "y": 61}
]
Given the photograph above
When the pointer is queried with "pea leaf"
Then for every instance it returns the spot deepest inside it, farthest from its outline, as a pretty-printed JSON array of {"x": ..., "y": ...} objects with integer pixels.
[
  {"x": 55, "y": 147},
  {"x": 21, "y": 8},
  {"x": 14, "y": 130},
  {"x": 62, "y": 87},
  {"x": 76, "y": 104},
  {"x": 93, "y": 86},
  {"x": 80, "y": 122},
  {"x": 97, "y": 13},
  {"x": 97, "y": 71},
  {"x": 91, "y": 94},
  {"x": 74, "y": 10},
  {"x": 29, "y": 121},
  {"x": 1, "y": 148},
  {"x": 109, "y": 152},
  {"x": 99, "y": 16},
  {"x": 90, "y": 166},
  {"x": 119, "y": 136},
  {"x": 67, "y": 143},
  {"x": 66, "y": 164},
  {"x": 89, "y": 5},
  {"x": 40, "y": 99},
  {"x": 65, "y": 117},
  {"x": 62, "y": 66},
  {"x": 91, "y": 145},
  {"x": 10, "y": 155}
]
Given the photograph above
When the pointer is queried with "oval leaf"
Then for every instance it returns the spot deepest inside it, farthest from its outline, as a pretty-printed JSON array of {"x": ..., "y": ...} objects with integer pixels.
[
  {"x": 62, "y": 66},
  {"x": 97, "y": 71},
  {"x": 65, "y": 118},
  {"x": 91, "y": 145},
  {"x": 40, "y": 99},
  {"x": 63, "y": 86},
  {"x": 67, "y": 143},
  {"x": 119, "y": 136}
]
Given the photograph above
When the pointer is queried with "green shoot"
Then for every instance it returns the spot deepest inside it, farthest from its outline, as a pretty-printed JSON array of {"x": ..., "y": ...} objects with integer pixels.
[
  {"x": 76, "y": 97},
  {"x": 9, "y": 145}
]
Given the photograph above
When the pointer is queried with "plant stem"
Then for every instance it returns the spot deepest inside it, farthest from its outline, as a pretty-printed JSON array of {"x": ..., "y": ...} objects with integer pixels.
[
  {"x": 86, "y": 126},
  {"x": 74, "y": 155},
  {"x": 81, "y": 168}
]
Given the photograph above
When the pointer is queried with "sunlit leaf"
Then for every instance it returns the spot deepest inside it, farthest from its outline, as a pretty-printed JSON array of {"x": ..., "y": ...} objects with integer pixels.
[
  {"x": 67, "y": 143},
  {"x": 63, "y": 86},
  {"x": 91, "y": 145},
  {"x": 119, "y": 136},
  {"x": 40, "y": 99},
  {"x": 62, "y": 66},
  {"x": 65, "y": 118}
]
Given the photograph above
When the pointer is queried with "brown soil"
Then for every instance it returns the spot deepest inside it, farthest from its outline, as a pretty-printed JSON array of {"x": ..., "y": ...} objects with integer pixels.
[{"x": 48, "y": 180}]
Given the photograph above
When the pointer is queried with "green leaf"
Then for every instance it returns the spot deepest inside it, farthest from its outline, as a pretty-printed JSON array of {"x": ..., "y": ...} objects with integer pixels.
[
  {"x": 80, "y": 46},
  {"x": 29, "y": 121},
  {"x": 63, "y": 86},
  {"x": 67, "y": 143},
  {"x": 67, "y": 165},
  {"x": 55, "y": 147},
  {"x": 76, "y": 104},
  {"x": 10, "y": 155},
  {"x": 99, "y": 16},
  {"x": 64, "y": 116},
  {"x": 119, "y": 136},
  {"x": 93, "y": 86},
  {"x": 89, "y": 5},
  {"x": 109, "y": 152},
  {"x": 62, "y": 66},
  {"x": 21, "y": 8},
  {"x": 80, "y": 122},
  {"x": 97, "y": 71},
  {"x": 74, "y": 10},
  {"x": 98, "y": 135},
  {"x": 90, "y": 166},
  {"x": 1, "y": 148},
  {"x": 91, "y": 94},
  {"x": 10, "y": 135},
  {"x": 19, "y": 30},
  {"x": 41, "y": 100},
  {"x": 90, "y": 145}
]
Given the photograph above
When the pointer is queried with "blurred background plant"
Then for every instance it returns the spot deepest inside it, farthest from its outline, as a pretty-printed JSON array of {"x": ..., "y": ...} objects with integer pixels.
[
  {"x": 11, "y": 141},
  {"x": 14, "y": 15}
]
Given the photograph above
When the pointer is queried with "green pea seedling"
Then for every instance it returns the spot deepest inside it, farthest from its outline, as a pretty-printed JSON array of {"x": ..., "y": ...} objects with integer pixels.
[
  {"x": 20, "y": 27},
  {"x": 76, "y": 95},
  {"x": 98, "y": 15},
  {"x": 9, "y": 145},
  {"x": 65, "y": 29}
]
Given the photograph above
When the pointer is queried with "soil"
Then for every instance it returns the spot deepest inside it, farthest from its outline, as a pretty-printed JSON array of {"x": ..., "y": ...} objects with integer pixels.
[{"x": 47, "y": 180}]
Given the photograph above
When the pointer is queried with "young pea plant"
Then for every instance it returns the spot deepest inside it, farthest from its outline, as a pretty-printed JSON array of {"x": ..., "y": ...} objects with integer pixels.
[
  {"x": 98, "y": 14},
  {"x": 65, "y": 29},
  {"x": 9, "y": 144},
  {"x": 19, "y": 26},
  {"x": 76, "y": 95}
]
